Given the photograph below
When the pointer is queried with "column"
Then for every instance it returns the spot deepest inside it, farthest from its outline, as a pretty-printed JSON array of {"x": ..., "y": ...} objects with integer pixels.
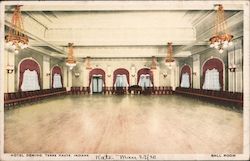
[
  {"x": 69, "y": 85},
  {"x": 65, "y": 76},
  {"x": 172, "y": 77},
  {"x": 46, "y": 73},
  {"x": 156, "y": 76},
  {"x": 9, "y": 72},
  {"x": 196, "y": 72},
  {"x": 132, "y": 75}
]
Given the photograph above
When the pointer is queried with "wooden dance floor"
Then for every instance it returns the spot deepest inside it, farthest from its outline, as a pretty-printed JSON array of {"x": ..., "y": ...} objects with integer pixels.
[{"x": 123, "y": 124}]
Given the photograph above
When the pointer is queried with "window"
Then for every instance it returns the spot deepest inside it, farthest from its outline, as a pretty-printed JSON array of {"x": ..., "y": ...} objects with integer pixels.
[
  {"x": 121, "y": 81},
  {"x": 185, "y": 76},
  {"x": 145, "y": 81},
  {"x": 185, "y": 80},
  {"x": 211, "y": 81},
  {"x": 30, "y": 81},
  {"x": 57, "y": 81}
]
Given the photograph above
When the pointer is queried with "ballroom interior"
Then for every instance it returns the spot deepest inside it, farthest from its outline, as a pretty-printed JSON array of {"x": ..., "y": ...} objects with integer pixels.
[{"x": 104, "y": 77}]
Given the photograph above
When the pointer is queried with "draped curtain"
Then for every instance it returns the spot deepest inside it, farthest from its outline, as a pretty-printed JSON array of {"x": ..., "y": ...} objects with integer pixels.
[
  {"x": 57, "y": 79},
  {"x": 145, "y": 81},
  {"x": 30, "y": 81},
  {"x": 211, "y": 64},
  {"x": 186, "y": 69},
  {"x": 121, "y": 81},
  {"x": 185, "y": 80},
  {"x": 145, "y": 71},
  {"x": 211, "y": 80},
  {"x": 120, "y": 72},
  {"x": 96, "y": 71},
  {"x": 31, "y": 65}
]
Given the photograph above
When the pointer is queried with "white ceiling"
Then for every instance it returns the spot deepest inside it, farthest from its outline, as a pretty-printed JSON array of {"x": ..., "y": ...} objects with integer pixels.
[{"x": 110, "y": 29}]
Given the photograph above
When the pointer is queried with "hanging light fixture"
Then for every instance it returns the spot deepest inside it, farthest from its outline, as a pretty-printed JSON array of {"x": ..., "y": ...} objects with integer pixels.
[
  {"x": 221, "y": 38},
  {"x": 169, "y": 59},
  {"x": 15, "y": 39},
  {"x": 154, "y": 63},
  {"x": 71, "y": 62}
]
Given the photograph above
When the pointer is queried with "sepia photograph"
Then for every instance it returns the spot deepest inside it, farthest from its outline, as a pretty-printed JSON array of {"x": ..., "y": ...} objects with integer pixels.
[{"x": 124, "y": 80}]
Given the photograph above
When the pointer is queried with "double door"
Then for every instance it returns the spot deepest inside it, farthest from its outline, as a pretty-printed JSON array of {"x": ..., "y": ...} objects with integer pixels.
[{"x": 97, "y": 84}]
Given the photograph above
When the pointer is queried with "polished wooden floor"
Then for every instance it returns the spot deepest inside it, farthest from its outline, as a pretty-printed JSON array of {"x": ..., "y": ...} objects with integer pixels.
[{"x": 123, "y": 124}]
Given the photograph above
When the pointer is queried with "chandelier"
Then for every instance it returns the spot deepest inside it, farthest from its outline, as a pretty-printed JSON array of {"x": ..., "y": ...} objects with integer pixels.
[
  {"x": 154, "y": 63},
  {"x": 71, "y": 62},
  {"x": 221, "y": 39},
  {"x": 15, "y": 39},
  {"x": 169, "y": 59}
]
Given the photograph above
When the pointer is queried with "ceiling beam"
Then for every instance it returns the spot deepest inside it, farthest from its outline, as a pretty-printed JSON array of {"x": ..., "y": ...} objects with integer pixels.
[
  {"x": 45, "y": 52},
  {"x": 35, "y": 19},
  {"x": 124, "y": 5}
]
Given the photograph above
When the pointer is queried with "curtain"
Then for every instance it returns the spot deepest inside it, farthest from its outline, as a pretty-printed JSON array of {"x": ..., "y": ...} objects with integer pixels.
[
  {"x": 185, "y": 80},
  {"x": 186, "y": 69},
  {"x": 30, "y": 81},
  {"x": 122, "y": 74},
  {"x": 57, "y": 71},
  {"x": 121, "y": 81},
  {"x": 32, "y": 66},
  {"x": 57, "y": 81},
  {"x": 213, "y": 63},
  {"x": 145, "y": 71},
  {"x": 212, "y": 81},
  {"x": 145, "y": 81}
]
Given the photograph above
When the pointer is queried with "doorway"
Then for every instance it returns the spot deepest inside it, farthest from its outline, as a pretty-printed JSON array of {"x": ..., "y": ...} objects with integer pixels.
[{"x": 97, "y": 84}]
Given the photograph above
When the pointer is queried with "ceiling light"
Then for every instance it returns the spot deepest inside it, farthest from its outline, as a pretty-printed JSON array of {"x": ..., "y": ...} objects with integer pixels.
[
  {"x": 15, "y": 39},
  {"x": 169, "y": 59},
  {"x": 71, "y": 62},
  {"x": 221, "y": 38}
]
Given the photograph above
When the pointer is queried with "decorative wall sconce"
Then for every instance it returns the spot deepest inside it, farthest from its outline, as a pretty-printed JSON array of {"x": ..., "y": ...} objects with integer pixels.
[
  {"x": 47, "y": 74},
  {"x": 165, "y": 75},
  {"x": 10, "y": 69},
  {"x": 133, "y": 75},
  {"x": 232, "y": 68},
  {"x": 77, "y": 74}
]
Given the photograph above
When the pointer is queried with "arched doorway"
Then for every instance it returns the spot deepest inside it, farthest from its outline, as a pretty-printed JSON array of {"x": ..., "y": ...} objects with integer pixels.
[{"x": 97, "y": 80}]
